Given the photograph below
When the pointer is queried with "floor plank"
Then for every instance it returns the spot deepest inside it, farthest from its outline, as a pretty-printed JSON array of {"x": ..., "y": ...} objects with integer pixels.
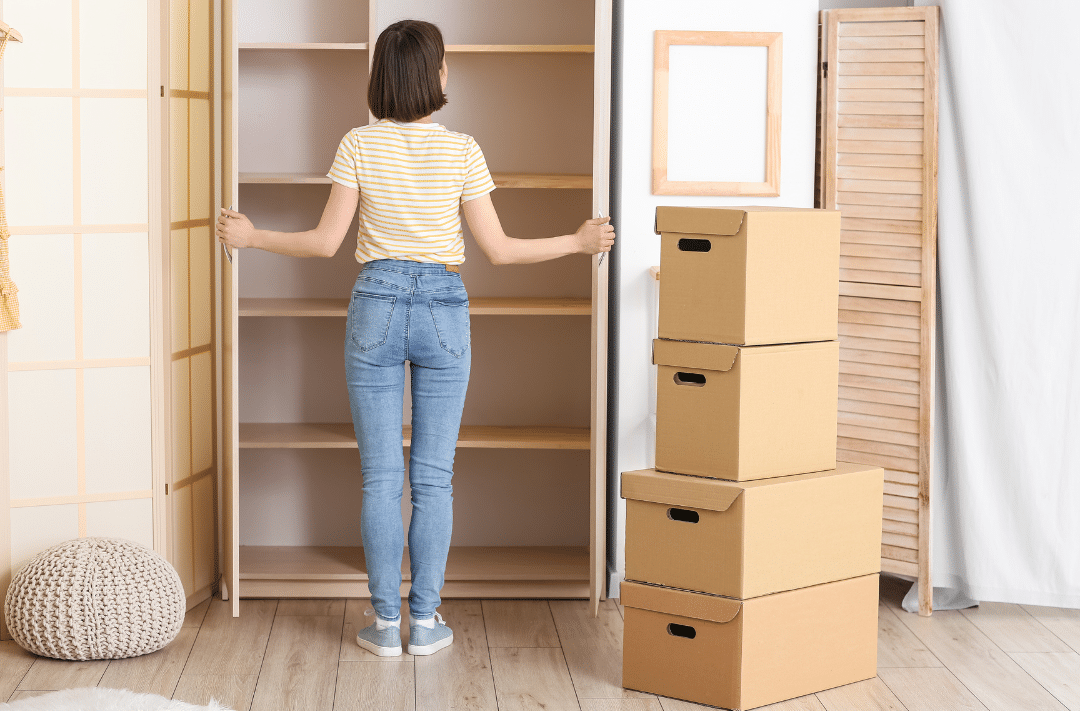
[
  {"x": 195, "y": 615},
  {"x": 869, "y": 695},
  {"x": 1012, "y": 629},
  {"x": 929, "y": 690},
  {"x": 375, "y": 687},
  {"x": 230, "y": 690},
  {"x": 648, "y": 703},
  {"x": 20, "y": 695},
  {"x": 592, "y": 647},
  {"x": 458, "y": 677},
  {"x": 156, "y": 673},
  {"x": 990, "y": 674},
  {"x": 1062, "y": 622},
  {"x": 1059, "y": 673},
  {"x": 309, "y": 608},
  {"x": 55, "y": 674},
  {"x": 14, "y": 663},
  {"x": 532, "y": 678},
  {"x": 803, "y": 703},
  {"x": 299, "y": 669},
  {"x": 227, "y": 655},
  {"x": 232, "y": 646},
  {"x": 519, "y": 623},
  {"x": 897, "y": 646},
  {"x": 355, "y": 620}
]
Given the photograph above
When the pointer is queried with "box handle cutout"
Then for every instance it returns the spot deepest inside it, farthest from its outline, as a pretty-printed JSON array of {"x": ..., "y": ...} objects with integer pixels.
[
  {"x": 681, "y": 631},
  {"x": 683, "y": 515},
  {"x": 694, "y": 245},
  {"x": 696, "y": 380}
]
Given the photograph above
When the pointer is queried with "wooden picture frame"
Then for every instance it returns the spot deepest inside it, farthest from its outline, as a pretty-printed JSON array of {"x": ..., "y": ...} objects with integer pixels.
[{"x": 662, "y": 184}]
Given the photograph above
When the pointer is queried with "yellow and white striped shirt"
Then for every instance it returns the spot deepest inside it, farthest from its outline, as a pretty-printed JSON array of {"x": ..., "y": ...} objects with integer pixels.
[{"x": 412, "y": 179}]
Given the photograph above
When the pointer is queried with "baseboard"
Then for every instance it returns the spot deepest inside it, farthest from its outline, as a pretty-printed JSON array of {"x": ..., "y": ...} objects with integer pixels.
[{"x": 615, "y": 579}]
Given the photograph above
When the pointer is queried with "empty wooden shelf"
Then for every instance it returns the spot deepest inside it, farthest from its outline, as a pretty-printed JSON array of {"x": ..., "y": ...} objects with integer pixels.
[
  {"x": 478, "y": 306},
  {"x": 338, "y": 435},
  {"x": 521, "y": 48},
  {"x": 502, "y": 180},
  {"x": 471, "y": 571},
  {"x": 303, "y": 45}
]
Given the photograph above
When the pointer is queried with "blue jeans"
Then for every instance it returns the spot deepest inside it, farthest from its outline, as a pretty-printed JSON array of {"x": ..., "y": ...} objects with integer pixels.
[{"x": 417, "y": 312}]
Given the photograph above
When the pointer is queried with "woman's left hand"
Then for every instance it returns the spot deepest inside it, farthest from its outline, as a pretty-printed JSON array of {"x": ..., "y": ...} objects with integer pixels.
[{"x": 234, "y": 229}]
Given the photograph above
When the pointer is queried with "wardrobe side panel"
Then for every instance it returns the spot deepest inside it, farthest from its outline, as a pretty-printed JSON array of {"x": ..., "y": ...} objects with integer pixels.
[
  {"x": 230, "y": 423},
  {"x": 600, "y": 276}
]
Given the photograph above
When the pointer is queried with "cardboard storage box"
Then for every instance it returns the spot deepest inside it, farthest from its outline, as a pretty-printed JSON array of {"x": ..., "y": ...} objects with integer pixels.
[
  {"x": 741, "y": 654},
  {"x": 747, "y": 539},
  {"x": 748, "y": 275},
  {"x": 749, "y": 412}
]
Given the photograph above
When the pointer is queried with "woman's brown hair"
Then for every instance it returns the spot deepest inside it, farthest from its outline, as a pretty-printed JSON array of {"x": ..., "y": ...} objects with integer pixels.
[{"x": 405, "y": 84}]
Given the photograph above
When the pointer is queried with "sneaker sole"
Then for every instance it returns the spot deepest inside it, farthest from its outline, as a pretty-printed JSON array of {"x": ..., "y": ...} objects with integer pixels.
[
  {"x": 431, "y": 648},
  {"x": 377, "y": 650}
]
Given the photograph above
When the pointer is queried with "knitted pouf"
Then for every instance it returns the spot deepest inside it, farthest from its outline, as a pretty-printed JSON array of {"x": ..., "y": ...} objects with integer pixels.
[{"x": 95, "y": 598}]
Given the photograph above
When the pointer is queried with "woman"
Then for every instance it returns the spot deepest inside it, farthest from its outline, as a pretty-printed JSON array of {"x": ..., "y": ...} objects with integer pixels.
[{"x": 411, "y": 178}]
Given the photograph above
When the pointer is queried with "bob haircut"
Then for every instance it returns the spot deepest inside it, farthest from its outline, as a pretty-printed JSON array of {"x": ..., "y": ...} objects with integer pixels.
[{"x": 405, "y": 83}]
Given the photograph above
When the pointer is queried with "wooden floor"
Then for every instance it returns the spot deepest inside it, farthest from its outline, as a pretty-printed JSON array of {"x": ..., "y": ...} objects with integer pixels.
[{"x": 526, "y": 655}]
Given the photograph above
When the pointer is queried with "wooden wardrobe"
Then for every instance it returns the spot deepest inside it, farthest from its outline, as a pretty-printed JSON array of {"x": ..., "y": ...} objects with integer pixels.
[{"x": 530, "y": 80}]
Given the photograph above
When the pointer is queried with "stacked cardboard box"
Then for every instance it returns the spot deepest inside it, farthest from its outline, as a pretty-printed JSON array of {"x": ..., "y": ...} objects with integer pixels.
[{"x": 751, "y": 555}]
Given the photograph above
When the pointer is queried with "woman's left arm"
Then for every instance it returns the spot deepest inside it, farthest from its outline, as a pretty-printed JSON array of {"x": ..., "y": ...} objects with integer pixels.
[{"x": 236, "y": 230}]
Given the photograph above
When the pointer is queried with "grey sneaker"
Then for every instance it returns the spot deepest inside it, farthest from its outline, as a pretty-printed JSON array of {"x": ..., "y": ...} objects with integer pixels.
[
  {"x": 384, "y": 643},
  {"x": 428, "y": 641}
]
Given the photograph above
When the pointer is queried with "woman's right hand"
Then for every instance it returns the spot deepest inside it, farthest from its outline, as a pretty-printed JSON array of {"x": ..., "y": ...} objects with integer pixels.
[
  {"x": 595, "y": 236},
  {"x": 234, "y": 229}
]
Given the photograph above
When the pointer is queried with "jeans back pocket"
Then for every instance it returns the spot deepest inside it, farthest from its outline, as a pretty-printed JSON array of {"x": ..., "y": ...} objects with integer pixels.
[
  {"x": 452, "y": 325},
  {"x": 369, "y": 319}
]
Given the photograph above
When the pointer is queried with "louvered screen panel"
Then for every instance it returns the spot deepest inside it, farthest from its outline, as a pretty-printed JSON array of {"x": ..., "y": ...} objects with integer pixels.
[{"x": 879, "y": 168}]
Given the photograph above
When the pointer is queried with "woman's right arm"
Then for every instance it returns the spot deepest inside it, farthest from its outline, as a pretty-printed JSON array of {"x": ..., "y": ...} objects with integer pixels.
[{"x": 236, "y": 230}]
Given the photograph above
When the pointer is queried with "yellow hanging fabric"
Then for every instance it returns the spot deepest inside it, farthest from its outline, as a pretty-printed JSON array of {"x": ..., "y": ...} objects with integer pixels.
[{"x": 9, "y": 300}]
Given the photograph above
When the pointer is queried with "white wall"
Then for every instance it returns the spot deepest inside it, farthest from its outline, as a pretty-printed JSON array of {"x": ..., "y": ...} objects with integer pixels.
[{"x": 635, "y": 205}]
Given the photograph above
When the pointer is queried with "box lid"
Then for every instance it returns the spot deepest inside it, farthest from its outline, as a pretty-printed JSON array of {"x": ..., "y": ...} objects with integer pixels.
[
  {"x": 699, "y": 220},
  {"x": 842, "y": 469},
  {"x": 691, "y": 354},
  {"x": 683, "y": 603},
  {"x": 680, "y": 490}
]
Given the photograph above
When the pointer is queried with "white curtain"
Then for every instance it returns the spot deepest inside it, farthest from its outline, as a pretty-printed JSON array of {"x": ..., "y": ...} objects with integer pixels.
[{"x": 1007, "y": 490}]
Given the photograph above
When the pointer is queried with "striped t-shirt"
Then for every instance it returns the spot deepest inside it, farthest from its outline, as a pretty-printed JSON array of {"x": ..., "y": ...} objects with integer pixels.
[{"x": 412, "y": 179}]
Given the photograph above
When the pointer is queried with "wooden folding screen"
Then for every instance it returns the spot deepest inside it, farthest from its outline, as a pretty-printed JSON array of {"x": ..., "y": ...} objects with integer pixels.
[{"x": 879, "y": 168}]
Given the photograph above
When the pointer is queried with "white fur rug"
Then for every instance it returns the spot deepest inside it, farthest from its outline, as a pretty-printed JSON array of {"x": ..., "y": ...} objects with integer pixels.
[{"x": 99, "y": 699}]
